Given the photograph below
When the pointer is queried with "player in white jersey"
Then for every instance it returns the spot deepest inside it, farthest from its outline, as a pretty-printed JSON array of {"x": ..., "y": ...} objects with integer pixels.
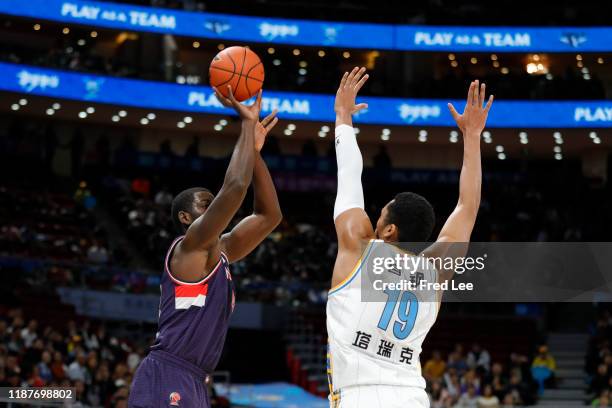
[{"x": 374, "y": 346}]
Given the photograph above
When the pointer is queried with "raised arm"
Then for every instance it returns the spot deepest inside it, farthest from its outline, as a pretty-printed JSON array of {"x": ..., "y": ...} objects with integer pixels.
[
  {"x": 204, "y": 232},
  {"x": 249, "y": 232},
  {"x": 352, "y": 223},
  {"x": 456, "y": 232}
]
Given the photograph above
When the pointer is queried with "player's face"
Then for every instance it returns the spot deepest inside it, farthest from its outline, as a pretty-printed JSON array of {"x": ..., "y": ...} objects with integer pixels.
[
  {"x": 201, "y": 202},
  {"x": 382, "y": 221}
]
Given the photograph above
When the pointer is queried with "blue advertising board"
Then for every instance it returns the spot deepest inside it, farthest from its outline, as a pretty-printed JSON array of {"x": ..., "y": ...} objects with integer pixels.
[
  {"x": 298, "y": 106},
  {"x": 313, "y": 33}
]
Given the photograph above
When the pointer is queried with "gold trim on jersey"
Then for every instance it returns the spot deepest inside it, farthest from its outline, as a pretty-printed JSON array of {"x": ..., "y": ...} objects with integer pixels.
[{"x": 351, "y": 275}]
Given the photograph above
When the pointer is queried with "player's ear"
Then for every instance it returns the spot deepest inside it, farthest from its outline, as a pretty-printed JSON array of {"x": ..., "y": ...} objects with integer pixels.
[
  {"x": 389, "y": 232},
  {"x": 185, "y": 218}
]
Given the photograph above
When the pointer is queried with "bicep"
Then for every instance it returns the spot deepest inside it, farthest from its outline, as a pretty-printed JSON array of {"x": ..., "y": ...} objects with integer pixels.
[{"x": 245, "y": 237}]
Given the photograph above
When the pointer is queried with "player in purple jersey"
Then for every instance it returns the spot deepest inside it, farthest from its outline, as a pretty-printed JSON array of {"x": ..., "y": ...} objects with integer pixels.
[{"x": 197, "y": 293}]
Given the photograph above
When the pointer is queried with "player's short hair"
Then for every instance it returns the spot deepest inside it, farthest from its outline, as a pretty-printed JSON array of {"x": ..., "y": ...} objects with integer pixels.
[
  {"x": 413, "y": 216},
  {"x": 183, "y": 201}
]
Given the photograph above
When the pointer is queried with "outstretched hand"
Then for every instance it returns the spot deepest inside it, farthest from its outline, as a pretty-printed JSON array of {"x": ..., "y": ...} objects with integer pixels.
[
  {"x": 474, "y": 116},
  {"x": 350, "y": 85},
  {"x": 247, "y": 113},
  {"x": 262, "y": 128}
]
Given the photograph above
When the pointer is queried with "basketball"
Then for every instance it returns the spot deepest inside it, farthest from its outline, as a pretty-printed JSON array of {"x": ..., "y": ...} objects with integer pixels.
[{"x": 240, "y": 68}]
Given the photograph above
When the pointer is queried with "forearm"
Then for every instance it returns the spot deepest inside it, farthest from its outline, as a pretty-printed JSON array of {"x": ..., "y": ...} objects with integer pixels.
[
  {"x": 471, "y": 173},
  {"x": 240, "y": 169},
  {"x": 265, "y": 202},
  {"x": 350, "y": 166}
]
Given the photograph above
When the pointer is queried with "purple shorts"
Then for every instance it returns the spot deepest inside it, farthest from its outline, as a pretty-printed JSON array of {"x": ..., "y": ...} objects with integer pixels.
[{"x": 164, "y": 380}]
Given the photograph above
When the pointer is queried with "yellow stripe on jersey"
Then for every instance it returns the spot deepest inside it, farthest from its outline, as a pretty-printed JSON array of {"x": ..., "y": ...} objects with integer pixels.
[
  {"x": 355, "y": 270},
  {"x": 334, "y": 396}
]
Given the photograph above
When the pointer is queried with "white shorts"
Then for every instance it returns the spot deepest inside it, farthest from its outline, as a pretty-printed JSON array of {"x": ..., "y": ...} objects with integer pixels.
[{"x": 379, "y": 396}]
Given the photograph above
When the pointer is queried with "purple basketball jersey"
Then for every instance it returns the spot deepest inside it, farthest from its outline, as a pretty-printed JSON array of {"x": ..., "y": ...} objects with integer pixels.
[{"x": 194, "y": 317}]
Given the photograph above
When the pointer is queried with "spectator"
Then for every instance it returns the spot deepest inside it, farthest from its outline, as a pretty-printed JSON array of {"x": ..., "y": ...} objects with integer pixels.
[
  {"x": 601, "y": 380},
  {"x": 543, "y": 367},
  {"x": 488, "y": 399},
  {"x": 77, "y": 370},
  {"x": 434, "y": 367},
  {"x": 479, "y": 358},
  {"x": 469, "y": 399}
]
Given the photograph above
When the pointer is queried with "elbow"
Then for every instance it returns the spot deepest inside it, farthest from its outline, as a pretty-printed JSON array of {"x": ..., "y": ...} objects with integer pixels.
[{"x": 274, "y": 219}]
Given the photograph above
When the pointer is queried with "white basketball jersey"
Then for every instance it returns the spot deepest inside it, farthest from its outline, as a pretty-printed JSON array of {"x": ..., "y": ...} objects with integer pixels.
[{"x": 378, "y": 342}]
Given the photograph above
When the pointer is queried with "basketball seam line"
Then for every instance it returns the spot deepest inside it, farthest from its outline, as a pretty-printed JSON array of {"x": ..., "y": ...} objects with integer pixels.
[
  {"x": 246, "y": 82},
  {"x": 242, "y": 69},
  {"x": 233, "y": 72}
]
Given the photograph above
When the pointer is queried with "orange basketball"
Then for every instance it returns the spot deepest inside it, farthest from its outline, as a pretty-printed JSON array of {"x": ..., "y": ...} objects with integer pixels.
[{"x": 240, "y": 68}]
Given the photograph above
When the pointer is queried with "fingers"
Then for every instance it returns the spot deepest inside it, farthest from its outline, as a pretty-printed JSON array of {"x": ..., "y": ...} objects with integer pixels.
[
  {"x": 476, "y": 96},
  {"x": 483, "y": 88},
  {"x": 269, "y": 118},
  {"x": 489, "y": 103},
  {"x": 258, "y": 100},
  {"x": 360, "y": 106},
  {"x": 453, "y": 111},
  {"x": 224, "y": 101},
  {"x": 358, "y": 77},
  {"x": 271, "y": 124},
  {"x": 231, "y": 97},
  {"x": 470, "y": 94},
  {"x": 362, "y": 81},
  {"x": 349, "y": 80},
  {"x": 343, "y": 80}
]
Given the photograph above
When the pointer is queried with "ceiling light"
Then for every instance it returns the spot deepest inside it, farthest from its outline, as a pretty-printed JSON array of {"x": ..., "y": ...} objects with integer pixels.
[
  {"x": 82, "y": 114},
  {"x": 499, "y": 148},
  {"x": 23, "y": 102},
  {"x": 90, "y": 110},
  {"x": 151, "y": 116},
  {"x": 56, "y": 106},
  {"x": 222, "y": 122},
  {"x": 356, "y": 130},
  {"x": 144, "y": 121},
  {"x": 288, "y": 132},
  {"x": 122, "y": 113},
  {"x": 558, "y": 156},
  {"x": 218, "y": 127},
  {"x": 291, "y": 126},
  {"x": 180, "y": 125},
  {"x": 501, "y": 156},
  {"x": 385, "y": 137},
  {"x": 50, "y": 111},
  {"x": 189, "y": 119},
  {"x": 115, "y": 118},
  {"x": 325, "y": 128},
  {"x": 322, "y": 133}
]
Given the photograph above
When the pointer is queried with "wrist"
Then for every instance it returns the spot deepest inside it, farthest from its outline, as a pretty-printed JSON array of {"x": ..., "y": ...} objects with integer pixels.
[{"x": 344, "y": 117}]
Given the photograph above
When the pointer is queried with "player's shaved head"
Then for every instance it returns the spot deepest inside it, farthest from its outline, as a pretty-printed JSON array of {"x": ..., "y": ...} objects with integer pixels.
[
  {"x": 413, "y": 216},
  {"x": 183, "y": 201}
]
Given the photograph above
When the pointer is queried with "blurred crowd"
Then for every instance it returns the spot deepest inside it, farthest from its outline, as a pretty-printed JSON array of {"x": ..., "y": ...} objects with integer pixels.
[
  {"x": 84, "y": 356},
  {"x": 599, "y": 361},
  {"x": 473, "y": 380}
]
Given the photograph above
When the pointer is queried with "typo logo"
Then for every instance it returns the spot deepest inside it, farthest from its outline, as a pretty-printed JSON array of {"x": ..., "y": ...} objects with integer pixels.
[
  {"x": 573, "y": 39},
  {"x": 175, "y": 397},
  {"x": 217, "y": 27}
]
